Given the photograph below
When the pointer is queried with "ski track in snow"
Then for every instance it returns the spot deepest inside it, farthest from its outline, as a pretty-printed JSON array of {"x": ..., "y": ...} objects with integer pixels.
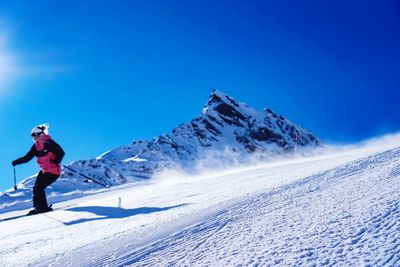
[{"x": 342, "y": 210}]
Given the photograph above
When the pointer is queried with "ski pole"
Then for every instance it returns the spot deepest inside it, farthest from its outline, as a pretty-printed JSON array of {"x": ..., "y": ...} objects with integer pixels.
[
  {"x": 87, "y": 177},
  {"x": 15, "y": 180}
]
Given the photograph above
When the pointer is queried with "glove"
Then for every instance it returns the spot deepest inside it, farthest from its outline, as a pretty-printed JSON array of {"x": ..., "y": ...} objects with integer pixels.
[{"x": 14, "y": 163}]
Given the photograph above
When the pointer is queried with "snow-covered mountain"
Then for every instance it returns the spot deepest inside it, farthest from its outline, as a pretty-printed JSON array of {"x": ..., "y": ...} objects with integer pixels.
[{"x": 225, "y": 128}]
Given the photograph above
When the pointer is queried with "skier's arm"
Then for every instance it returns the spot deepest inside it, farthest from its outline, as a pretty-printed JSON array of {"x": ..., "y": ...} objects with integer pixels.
[
  {"x": 25, "y": 158},
  {"x": 57, "y": 151}
]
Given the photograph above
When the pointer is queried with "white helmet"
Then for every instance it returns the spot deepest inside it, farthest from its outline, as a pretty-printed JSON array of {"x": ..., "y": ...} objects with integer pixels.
[{"x": 40, "y": 129}]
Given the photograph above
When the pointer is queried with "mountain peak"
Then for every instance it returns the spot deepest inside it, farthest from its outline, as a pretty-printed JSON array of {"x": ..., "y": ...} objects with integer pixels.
[
  {"x": 217, "y": 92},
  {"x": 220, "y": 102},
  {"x": 218, "y": 97}
]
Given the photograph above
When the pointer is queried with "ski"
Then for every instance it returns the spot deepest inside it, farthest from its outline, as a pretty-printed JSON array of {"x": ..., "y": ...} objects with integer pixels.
[
  {"x": 13, "y": 218},
  {"x": 23, "y": 215}
]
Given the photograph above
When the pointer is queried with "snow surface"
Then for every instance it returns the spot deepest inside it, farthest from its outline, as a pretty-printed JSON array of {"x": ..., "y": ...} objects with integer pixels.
[{"x": 336, "y": 209}]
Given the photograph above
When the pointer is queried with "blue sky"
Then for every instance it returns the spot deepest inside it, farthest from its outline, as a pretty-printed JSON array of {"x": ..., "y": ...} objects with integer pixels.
[{"x": 104, "y": 73}]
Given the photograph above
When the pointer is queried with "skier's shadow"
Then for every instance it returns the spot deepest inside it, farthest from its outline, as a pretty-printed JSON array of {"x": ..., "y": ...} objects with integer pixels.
[{"x": 115, "y": 212}]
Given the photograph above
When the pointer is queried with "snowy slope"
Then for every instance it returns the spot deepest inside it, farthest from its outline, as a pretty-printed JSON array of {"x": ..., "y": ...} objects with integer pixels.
[
  {"x": 341, "y": 208},
  {"x": 345, "y": 216}
]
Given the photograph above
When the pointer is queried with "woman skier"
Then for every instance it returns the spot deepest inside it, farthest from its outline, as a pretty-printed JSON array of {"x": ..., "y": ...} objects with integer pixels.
[{"x": 49, "y": 155}]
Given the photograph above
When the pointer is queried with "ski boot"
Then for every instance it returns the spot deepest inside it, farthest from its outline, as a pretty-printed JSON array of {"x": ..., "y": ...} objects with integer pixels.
[{"x": 37, "y": 210}]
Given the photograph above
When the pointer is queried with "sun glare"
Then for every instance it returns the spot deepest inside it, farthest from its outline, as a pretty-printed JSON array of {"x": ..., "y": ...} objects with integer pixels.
[{"x": 8, "y": 64}]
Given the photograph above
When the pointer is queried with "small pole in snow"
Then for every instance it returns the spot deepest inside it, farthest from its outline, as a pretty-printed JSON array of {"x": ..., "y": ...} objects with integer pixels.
[
  {"x": 119, "y": 202},
  {"x": 15, "y": 180}
]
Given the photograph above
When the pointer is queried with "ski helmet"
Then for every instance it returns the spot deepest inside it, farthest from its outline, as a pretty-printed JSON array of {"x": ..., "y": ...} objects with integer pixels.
[{"x": 40, "y": 129}]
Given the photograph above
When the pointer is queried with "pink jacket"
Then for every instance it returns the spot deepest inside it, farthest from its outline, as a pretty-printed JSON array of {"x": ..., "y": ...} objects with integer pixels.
[{"x": 46, "y": 163}]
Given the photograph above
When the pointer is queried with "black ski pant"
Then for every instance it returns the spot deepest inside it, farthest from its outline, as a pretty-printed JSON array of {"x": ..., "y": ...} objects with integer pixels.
[{"x": 43, "y": 180}]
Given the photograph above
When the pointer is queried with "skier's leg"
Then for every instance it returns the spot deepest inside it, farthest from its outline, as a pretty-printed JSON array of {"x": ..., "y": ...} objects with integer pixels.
[
  {"x": 50, "y": 178},
  {"x": 39, "y": 190}
]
